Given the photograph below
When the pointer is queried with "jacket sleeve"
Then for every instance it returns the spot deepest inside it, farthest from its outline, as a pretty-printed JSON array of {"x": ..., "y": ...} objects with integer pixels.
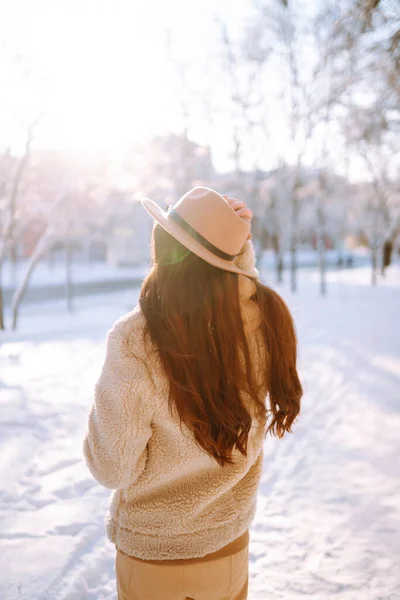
[
  {"x": 119, "y": 424},
  {"x": 246, "y": 259}
]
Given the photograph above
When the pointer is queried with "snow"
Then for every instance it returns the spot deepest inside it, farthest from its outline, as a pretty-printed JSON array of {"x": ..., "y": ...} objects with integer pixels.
[{"x": 328, "y": 517}]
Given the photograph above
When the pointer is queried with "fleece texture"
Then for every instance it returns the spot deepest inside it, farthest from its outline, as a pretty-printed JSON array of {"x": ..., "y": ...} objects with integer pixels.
[{"x": 171, "y": 500}]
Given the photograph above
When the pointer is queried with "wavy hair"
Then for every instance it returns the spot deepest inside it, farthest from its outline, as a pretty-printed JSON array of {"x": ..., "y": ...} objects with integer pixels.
[{"x": 193, "y": 317}]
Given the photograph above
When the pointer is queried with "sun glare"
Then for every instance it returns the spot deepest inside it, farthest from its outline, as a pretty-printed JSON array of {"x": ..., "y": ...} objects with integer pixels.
[{"x": 98, "y": 71}]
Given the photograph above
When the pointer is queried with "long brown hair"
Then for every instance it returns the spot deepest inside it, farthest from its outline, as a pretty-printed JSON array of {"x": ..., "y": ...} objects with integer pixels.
[{"x": 193, "y": 318}]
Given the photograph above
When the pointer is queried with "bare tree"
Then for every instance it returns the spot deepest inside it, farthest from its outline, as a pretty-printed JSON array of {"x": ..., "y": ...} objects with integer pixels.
[
  {"x": 330, "y": 78},
  {"x": 183, "y": 176},
  {"x": 10, "y": 194},
  {"x": 288, "y": 35},
  {"x": 43, "y": 245},
  {"x": 243, "y": 67},
  {"x": 375, "y": 25},
  {"x": 65, "y": 225},
  {"x": 369, "y": 42},
  {"x": 373, "y": 140}
]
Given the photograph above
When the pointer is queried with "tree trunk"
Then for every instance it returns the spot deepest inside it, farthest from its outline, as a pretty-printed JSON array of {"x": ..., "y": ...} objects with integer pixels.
[
  {"x": 68, "y": 277},
  {"x": 20, "y": 293},
  {"x": 12, "y": 253},
  {"x": 278, "y": 258},
  {"x": 321, "y": 228},
  {"x": 38, "y": 253},
  {"x": 322, "y": 268},
  {"x": 279, "y": 268},
  {"x": 293, "y": 256},
  {"x": 2, "y": 325},
  {"x": 293, "y": 235},
  {"x": 8, "y": 233},
  {"x": 374, "y": 264},
  {"x": 387, "y": 252},
  {"x": 293, "y": 268}
]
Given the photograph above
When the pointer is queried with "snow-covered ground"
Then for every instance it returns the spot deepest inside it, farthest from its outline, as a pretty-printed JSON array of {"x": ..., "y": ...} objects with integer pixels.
[{"x": 328, "y": 518}]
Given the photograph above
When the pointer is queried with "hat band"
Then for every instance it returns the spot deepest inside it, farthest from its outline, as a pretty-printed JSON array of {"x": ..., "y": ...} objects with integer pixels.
[{"x": 176, "y": 217}]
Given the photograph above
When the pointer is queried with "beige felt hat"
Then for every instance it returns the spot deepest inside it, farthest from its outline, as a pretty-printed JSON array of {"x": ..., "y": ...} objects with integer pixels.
[{"x": 204, "y": 222}]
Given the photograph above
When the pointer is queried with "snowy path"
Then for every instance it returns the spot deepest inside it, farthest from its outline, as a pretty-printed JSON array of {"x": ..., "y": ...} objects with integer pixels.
[{"x": 328, "y": 518}]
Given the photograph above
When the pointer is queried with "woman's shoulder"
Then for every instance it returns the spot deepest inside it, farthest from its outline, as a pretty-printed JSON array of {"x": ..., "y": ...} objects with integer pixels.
[
  {"x": 129, "y": 331},
  {"x": 132, "y": 321}
]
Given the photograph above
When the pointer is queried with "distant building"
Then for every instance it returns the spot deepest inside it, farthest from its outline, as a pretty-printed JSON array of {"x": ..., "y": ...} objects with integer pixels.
[
  {"x": 163, "y": 169},
  {"x": 128, "y": 242}
]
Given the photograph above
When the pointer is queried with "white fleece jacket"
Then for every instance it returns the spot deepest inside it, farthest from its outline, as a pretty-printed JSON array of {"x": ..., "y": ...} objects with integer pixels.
[{"x": 170, "y": 499}]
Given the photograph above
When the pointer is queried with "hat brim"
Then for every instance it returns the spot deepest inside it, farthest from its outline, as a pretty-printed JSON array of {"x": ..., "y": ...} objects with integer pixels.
[{"x": 190, "y": 243}]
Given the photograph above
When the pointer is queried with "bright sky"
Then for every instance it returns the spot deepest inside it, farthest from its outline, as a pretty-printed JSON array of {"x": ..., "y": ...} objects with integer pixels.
[{"x": 97, "y": 71}]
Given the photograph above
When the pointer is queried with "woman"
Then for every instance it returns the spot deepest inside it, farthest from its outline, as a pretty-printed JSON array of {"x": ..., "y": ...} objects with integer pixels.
[{"x": 180, "y": 414}]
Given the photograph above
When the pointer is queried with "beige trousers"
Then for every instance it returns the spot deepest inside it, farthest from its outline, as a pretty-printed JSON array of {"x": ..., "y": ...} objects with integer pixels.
[{"x": 224, "y": 578}]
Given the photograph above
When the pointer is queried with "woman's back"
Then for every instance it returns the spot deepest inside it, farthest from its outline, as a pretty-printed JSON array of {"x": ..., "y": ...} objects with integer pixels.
[{"x": 176, "y": 503}]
